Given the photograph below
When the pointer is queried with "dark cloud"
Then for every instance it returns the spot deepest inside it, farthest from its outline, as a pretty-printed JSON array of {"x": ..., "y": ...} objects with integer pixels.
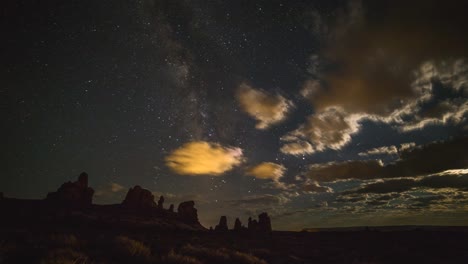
[
  {"x": 430, "y": 158},
  {"x": 405, "y": 184},
  {"x": 384, "y": 63},
  {"x": 425, "y": 159},
  {"x": 376, "y": 52},
  {"x": 333, "y": 171},
  {"x": 316, "y": 188}
]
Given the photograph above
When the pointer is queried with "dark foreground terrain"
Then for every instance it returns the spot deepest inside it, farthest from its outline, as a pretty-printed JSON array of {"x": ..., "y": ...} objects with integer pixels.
[
  {"x": 75, "y": 245},
  {"x": 66, "y": 227}
]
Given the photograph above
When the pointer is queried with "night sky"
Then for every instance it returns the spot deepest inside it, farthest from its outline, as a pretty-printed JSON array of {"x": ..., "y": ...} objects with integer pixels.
[{"x": 322, "y": 113}]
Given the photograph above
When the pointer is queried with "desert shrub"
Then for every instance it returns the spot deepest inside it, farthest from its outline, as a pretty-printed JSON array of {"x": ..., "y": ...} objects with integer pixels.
[
  {"x": 208, "y": 254},
  {"x": 64, "y": 240},
  {"x": 220, "y": 255},
  {"x": 64, "y": 256},
  {"x": 241, "y": 257},
  {"x": 132, "y": 248},
  {"x": 261, "y": 252},
  {"x": 174, "y": 258}
]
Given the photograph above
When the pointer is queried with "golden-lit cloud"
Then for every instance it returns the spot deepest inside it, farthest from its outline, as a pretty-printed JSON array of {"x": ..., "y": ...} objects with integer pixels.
[
  {"x": 203, "y": 158},
  {"x": 267, "y": 170},
  {"x": 266, "y": 108}
]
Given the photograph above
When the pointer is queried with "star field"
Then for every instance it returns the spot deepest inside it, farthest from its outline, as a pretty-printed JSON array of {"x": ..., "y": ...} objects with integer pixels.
[{"x": 323, "y": 113}]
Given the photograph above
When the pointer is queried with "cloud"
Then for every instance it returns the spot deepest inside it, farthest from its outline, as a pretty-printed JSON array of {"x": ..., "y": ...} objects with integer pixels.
[
  {"x": 314, "y": 187},
  {"x": 407, "y": 146},
  {"x": 266, "y": 108},
  {"x": 267, "y": 170},
  {"x": 331, "y": 129},
  {"x": 388, "y": 150},
  {"x": 430, "y": 158},
  {"x": 110, "y": 193},
  {"x": 203, "y": 158},
  {"x": 332, "y": 171},
  {"x": 383, "y": 48},
  {"x": 442, "y": 93},
  {"x": 299, "y": 147},
  {"x": 115, "y": 187},
  {"x": 422, "y": 160},
  {"x": 405, "y": 69},
  {"x": 449, "y": 179}
]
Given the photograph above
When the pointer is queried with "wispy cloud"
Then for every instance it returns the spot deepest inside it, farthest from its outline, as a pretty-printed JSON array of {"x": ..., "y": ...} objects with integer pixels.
[{"x": 266, "y": 108}]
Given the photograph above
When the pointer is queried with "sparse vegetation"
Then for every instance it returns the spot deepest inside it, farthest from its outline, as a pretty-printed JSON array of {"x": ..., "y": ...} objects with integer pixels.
[
  {"x": 156, "y": 247},
  {"x": 64, "y": 256},
  {"x": 174, "y": 258},
  {"x": 220, "y": 255},
  {"x": 64, "y": 240},
  {"x": 132, "y": 248}
]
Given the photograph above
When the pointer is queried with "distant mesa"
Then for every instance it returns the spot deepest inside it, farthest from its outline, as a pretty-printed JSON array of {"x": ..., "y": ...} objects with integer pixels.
[
  {"x": 138, "y": 198},
  {"x": 74, "y": 194}
]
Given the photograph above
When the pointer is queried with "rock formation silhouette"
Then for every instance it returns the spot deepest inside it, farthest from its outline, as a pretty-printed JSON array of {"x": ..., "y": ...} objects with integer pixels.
[
  {"x": 252, "y": 224},
  {"x": 262, "y": 226},
  {"x": 72, "y": 204},
  {"x": 161, "y": 202},
  {"x": 238, "y": 225},
  {"x": 73, "y": 194},
  {"x": 264, "y": 223},
  {"x": 222, "y": 226},
  {"x": 138, "y": 198},
  {"x": 187, "y": 212}
]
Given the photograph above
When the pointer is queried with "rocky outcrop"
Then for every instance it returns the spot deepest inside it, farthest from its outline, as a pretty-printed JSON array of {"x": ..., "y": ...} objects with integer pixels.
[
  {"x": 252, "y": 224},
  {"x": 73, "y": 194},
  {"x": 222, "y": 226},
  {"x": 262, "y": 226},
  {"x": 139, "y": 198},
  {"x": 71, "y": 205},
  {"x": 187, "y": 212},
  {"x": 264, "y": 223},
  {"x": 161, "y": 202},
  {"x": 238, "y": 225}
]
